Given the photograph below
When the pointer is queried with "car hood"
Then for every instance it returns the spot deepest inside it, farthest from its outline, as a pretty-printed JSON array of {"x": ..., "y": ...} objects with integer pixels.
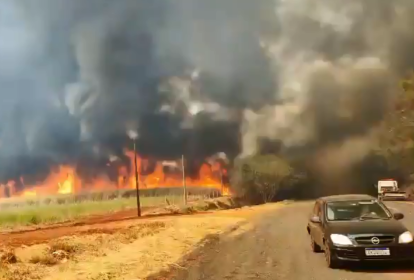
[{"x": 367, "y": 226}]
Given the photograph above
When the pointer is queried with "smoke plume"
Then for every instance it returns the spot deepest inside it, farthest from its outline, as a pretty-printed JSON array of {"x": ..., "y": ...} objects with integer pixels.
[{"x": 194, "y": 77}]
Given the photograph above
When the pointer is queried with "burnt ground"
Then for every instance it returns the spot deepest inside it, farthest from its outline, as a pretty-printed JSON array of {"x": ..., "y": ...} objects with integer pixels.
[{"x": 276, "y": 246}]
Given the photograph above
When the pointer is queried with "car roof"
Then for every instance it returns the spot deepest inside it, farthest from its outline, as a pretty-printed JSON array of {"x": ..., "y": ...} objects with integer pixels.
[{"x": 346, "y": 197}]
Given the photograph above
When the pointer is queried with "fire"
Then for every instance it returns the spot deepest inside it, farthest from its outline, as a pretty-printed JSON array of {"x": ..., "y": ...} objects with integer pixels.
[
  {"x": 158, "y": 178},
  {"x": 64, "y": 180},
  {"x": 66, "y": 187},
  {"x": 29, "y": 193},
  {"x": 59, "y": 181}
]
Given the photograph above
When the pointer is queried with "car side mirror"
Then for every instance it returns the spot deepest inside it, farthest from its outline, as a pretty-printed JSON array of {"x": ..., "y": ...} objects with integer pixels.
[
  {"x": 398, "y": 216},
  {"x": 315, "y": 219}
]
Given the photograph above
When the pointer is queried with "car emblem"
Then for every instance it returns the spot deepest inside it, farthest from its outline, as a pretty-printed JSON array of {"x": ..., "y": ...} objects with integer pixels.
[{"x": 375, "y": 240}]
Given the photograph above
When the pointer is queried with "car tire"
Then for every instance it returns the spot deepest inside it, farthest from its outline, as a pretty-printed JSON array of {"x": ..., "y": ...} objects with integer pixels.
[
  {"x": 331, "y": 259},
  {"x": 315, "y": 247}
]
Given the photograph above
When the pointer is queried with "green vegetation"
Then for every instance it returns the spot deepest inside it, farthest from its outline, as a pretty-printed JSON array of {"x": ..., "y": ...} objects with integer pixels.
[
  {"x": 397, "y": 131},
  {"x": 52, "y": 213},
  {"x": 61, "y": 208},
  {"x": 261, "y": 177}
]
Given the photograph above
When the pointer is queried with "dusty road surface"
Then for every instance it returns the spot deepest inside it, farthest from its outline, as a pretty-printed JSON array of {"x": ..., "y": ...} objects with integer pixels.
[{"x": 275, "y": 245}]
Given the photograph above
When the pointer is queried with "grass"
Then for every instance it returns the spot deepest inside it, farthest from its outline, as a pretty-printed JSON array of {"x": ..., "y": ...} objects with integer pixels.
[
  {"x": 63, "y": 250},
  {"x": 38, "y": 214},
  {"x": 55, "y": 209},
  {"x": 53, "y": 213},
  {"x": 133, "y": 252},
  {"x": 57, "y": 252}
]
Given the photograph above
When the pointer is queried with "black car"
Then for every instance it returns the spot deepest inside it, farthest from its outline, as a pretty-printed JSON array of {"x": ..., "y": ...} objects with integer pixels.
[{"x": 358, "y": 228}]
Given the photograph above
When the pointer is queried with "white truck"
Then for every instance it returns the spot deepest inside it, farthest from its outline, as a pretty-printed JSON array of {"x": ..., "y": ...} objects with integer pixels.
[{"x": 388, "y": 190}]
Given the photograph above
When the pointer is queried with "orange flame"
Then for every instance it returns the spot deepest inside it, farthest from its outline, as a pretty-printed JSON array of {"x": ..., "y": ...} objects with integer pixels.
[
  {"x": 29, "y": 193},
  {"x": 64, "y": 179},
  {"x": 158, "y": 179},
  {"x": 60, "y": 181}
]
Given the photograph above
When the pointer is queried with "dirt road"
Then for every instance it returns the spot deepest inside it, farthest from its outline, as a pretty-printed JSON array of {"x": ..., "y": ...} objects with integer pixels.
[{"x": 276, "y": 246}]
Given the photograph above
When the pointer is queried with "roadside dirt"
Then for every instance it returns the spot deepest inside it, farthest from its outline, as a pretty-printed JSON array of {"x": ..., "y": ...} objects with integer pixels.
[{"x": 124, "y": 250}]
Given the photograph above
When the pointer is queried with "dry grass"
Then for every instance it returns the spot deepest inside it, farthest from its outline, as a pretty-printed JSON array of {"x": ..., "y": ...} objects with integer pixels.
[
  {"x": 131, "y": 234},
  {"x": 64, "y": 246},
  {"x": 7, "y": 256},
  {"x": 57, "y": 252},
  {"x": 131, "y": 253},
  {"x": 44, "y": 259},
  {"x": 222, "y": 203},
  {"x": 20, "y": 273},
  {"x": 144, "y": 255},
  {"x": 62, "y": 250}
]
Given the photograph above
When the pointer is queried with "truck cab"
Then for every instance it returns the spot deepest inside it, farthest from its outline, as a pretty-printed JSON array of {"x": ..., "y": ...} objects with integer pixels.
[
  {"x": 388, "y": 190},
  {"x": 387, "y": 185}
]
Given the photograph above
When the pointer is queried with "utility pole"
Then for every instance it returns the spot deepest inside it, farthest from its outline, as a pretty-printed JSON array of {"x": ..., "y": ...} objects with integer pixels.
[
  {"x": 136, "y": 180},
  {"x": 221, "y": 181},
  {"x": 184, "y": 184}
]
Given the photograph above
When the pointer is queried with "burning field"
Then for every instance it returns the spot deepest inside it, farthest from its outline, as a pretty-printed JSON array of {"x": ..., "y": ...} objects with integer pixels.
[
  {"x": 83, "y": 82},
  {"x": 98, "y": 95},
  {"x": 151, "y": 175},
  {"x": 64, "y": 196}
]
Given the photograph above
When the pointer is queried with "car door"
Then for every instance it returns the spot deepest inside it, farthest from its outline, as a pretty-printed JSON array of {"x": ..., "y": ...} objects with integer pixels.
[
  {"x": 316, "y": 228},
  {"x": 319, "y": 226}
]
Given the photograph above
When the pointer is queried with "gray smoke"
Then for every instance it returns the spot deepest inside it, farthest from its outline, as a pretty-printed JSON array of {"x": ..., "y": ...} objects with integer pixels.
[
  {"x": 193, "y": 76},
  {"x": 339, "y": 67}
]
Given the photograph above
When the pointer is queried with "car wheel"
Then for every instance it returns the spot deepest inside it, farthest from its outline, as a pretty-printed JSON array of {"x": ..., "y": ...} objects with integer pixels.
[
  {"x": 315, "y": 247},
  {"x": 330, "y": 258}
]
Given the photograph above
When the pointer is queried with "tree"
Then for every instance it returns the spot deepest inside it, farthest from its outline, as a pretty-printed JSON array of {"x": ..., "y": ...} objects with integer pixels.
[
  {"x": 396, "y": 136},
  {"x": 261, "y": 177}
]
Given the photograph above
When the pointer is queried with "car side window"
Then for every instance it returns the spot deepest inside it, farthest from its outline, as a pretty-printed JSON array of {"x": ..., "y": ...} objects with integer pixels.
[{"x": 330, "y": 213}]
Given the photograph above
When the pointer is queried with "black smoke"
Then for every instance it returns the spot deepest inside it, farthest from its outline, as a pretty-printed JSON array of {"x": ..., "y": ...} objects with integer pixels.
[
  {"x": 193, "y": 77},
  {"x": 81, "y": 74}
]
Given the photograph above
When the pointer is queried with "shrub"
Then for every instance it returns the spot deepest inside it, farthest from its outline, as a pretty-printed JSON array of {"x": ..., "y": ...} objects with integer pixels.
[{"x": 259, "y": 178}]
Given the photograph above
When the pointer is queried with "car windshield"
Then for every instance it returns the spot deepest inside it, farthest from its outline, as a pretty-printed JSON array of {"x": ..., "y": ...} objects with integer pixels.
[{"x": 355, "y": 210}]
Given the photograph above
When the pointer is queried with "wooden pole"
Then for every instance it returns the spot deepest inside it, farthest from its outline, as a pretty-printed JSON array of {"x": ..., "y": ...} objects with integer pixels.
[
  {"x": 184, "y": 183},
  {"x": 221, "y": 181},
  {"x": 136, "y": 180}
]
